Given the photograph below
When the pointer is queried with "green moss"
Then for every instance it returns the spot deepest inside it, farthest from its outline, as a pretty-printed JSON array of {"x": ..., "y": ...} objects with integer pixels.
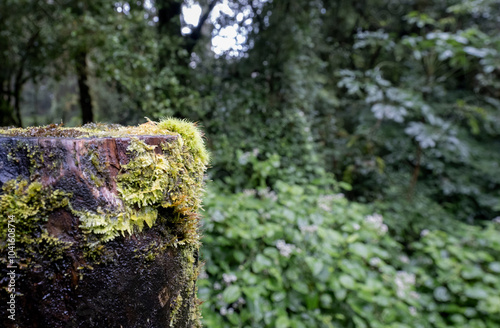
[
  {"x": 191, "y": 134},
  {"x": 176, "y": 307},
  {"x": 97, "y": 253},
  {"x": 32, "y": 153},
  {"x": 150, "y": 181},
  {"x": 98, "y": 182},
  {"x": 191, "y": 270},
  {"x": 48, "y": 246},
  {"x": 30, "y": 204}
]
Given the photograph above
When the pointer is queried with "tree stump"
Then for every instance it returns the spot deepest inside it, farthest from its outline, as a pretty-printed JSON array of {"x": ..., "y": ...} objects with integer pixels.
[{"x": 103, "y": 223}]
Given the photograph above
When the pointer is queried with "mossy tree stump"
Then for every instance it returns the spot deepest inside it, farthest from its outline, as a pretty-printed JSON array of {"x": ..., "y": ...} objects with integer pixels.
[{"x": 106, "y": 225}]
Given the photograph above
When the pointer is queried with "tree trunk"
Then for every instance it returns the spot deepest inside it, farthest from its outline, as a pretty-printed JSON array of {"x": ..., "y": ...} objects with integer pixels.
[
  {"x": 83, "y": 87},
  {"x": 17, "y": 104},
  {"x": 102, "y": 239}
]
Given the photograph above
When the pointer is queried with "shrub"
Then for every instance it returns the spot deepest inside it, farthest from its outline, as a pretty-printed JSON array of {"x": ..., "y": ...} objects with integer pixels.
[{"x": 302, "y": 257}]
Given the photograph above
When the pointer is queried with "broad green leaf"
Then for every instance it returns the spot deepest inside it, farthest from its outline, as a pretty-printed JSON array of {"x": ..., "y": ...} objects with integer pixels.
[{"x": 231, "y": 294}]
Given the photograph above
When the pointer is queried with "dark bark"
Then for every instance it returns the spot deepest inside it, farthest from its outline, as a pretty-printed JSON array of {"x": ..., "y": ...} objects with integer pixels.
[
  {"x": 17, "y": 104},
  {"x": 169, "y": 12},
  {"x": 83, "y": 87}
]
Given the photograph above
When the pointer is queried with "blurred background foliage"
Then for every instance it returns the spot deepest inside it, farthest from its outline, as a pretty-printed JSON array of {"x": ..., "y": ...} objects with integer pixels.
[{"x": 355, "y": 179}]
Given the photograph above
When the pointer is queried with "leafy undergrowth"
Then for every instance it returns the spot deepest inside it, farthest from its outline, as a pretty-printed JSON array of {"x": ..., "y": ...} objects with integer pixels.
[{"x": 300, "y": 257}]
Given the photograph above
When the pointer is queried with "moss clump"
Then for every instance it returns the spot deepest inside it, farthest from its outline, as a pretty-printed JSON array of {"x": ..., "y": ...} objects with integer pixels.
[
  {"x": 176, "y": 307},
  {"x": 191, "y": 134},
  {"x": 30, "y": 204},
  {"x": 172, "y": 179},
  {"x": 152, "y": 180}
]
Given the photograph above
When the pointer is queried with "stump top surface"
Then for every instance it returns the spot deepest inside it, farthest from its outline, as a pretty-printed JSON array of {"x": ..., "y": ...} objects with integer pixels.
[
  {"x": 91, "y": 130},
  {"x": 171, "y": 127}
]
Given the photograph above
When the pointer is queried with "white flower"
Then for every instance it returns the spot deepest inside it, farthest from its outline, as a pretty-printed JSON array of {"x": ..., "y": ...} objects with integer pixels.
[
  {"x": 311, "y": 229},
  {"x": 356, "y": 226},
  {"x": 404, "y": 259},
  {"x": 413, "y": 311},
  {"x": 229, "y": 278},
  {"x": 284, "y": 248},
  {"x": 203, "y": 275},
  {"x": 324, "y": 207},
  {"x": 424, "y": 233},
  {"x": 217, "y": 286},
  {"x": 324, "y": 202},
  {"x": 230, "y": 311},
  {"x": 404, "y": 281},
  {"x": 338, "y": 196},
  {"x": 249, "y": 192},
  {"x": 406, "y": 278},
  {"x": 375, "y": 261},
  {"x": 497, "y": 219},
  {"x": 376, "y": 220},
  {"x": 223, "y": 311},
  {"x": 268, "y": 193}
]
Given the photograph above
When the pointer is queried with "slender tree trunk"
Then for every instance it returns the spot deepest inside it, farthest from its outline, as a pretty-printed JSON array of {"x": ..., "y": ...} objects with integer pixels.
[
  {"x": 7, "y": 112},
  {"x": 85, "y": 98},
  {"x": 169, "y": 26},
  {"x": 17, "y": 105}
]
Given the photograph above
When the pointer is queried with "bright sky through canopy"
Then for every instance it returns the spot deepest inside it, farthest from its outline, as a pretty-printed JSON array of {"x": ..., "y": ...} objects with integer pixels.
[{"x": 227, "y": 38}]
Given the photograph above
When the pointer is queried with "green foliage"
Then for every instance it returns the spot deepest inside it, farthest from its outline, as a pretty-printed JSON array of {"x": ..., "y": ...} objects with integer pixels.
[
  {"x": 415, "y": 109},
  {"x": 307, "y": 257}
]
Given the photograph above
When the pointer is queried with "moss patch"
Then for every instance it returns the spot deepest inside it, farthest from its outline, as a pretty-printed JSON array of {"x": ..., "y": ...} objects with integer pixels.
[
  {"x": 30, "y": 204},
  {"x": 149, "y": 182},
  {"x": 190, "y": 134}
]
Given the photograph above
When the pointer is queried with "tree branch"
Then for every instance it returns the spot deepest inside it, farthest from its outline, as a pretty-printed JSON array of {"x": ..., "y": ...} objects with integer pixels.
[{"x": 195, "y": 35}]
